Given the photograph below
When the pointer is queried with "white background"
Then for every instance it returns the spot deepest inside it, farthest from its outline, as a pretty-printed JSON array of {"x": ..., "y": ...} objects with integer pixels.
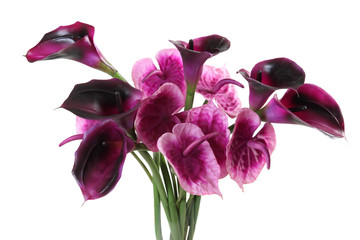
[{"x": 310, "y": 192}]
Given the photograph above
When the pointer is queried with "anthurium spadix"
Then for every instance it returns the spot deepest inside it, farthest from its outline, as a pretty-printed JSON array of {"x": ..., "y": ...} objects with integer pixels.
[
  {"x": 148, "y": 78},
  {"x": 310, "y": 105},
  {"x": 103, "y": 99},
  {"x": 247, "y": 154},
  {"x": 73, "y": 42},
  {"x": 156, "y": 114},
  {"x": 270, "y": 75},
  {"x": 100, "y": 158},
  {"x": 192, "y": 158},
  {"x": 194, "y": 54}
]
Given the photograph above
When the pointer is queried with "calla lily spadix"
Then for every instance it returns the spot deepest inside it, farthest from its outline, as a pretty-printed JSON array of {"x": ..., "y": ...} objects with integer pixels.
[
  {"x": 311, "y": 106},
  {"x": 75, "y": 42},
  {"x": 270, "y": 75}
]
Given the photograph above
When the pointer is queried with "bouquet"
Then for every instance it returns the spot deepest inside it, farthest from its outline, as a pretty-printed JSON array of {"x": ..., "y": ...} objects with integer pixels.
[{"x": 183, "y": 149}]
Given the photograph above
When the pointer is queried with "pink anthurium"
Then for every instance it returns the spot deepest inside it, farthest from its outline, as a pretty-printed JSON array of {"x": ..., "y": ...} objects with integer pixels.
[
  {"x": 148, "y": 78},
  {"x": 195, "y": 53},
  {"x": 270, "y": 75},
  {"x": 156, "y": 114},
  {"x": 103, "y": 99},
  {"x": 73, "y": 42},
  {"x": 212, "y": 119},
  {"x": 100, "y": 158},
  {"x": 215, "y": 83},
  {"x": 247, "y": 154},
  {"x": 310, "y": 105},
  {"x": 192, "y": 158}
]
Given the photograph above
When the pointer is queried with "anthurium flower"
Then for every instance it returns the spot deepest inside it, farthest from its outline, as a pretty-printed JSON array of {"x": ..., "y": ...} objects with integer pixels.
[
  {"x": 100, "y": 158},
  {"x": 156, "y": 114},
  {"x": 148, "y": 78},
  {"x": 212, "y": 119},
  {"x": 102, "y": 99},
  {"x": 270, "y": 75},
  {"x": 247, "y": 154},
  {"x": 73, "y": 42},
  {"x": 215, "y": 83},
  {"x": 195, "y": 53},
  {"x": 192, "y": 158},
  {"x": 310, "y": 105}
]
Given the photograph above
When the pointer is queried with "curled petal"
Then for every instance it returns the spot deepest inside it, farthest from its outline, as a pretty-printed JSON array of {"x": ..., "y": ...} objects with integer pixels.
[
  {"x": 100, "y": 158},
  {"x": 247, "y": 154},
  {"x": 140, "y": 70},
  {"x": 73, "y": 42},
  {"x": 211, "y": 119},
  {"x": 198, "y": 171},
  {"x": 156, "y": 114}
]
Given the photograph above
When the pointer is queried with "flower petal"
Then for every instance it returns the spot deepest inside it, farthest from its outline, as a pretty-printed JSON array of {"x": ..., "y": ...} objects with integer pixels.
[
  {"x": 211, "y": 119},
  {"x": 156, "y": 114},
  {"x": 140, "y": 70},
  {"x": 198, "y": 171}
]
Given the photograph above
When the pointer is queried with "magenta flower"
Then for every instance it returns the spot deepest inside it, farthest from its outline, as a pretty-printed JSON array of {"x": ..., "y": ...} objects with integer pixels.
[
  {"x": 103, "y": 99},
  {"x": 100, "y": 158},
  {"x": 156, "y": 114},
  {"x": 192, "y": 158},
  {"x": 212, "y": 119},
  {"x": 73, "y": 42},
  {"x": 148, "y": 78},
  {"x": 215, "y": 83},
  {"x": 310, "y": 105},
  {"x": 247, "y": 154},
  {"x": 195, "y": 53},
  {"x": 270, "y": 75}
]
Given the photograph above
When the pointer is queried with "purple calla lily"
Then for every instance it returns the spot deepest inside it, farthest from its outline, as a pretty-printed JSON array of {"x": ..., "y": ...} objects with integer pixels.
[
  {"x": 310, "y": 105},
  {"x": 270, "y": 75},
  {"x": 215, "y": 83},
  {"x": 195, "y": 53},
  {"x": 103, "y": 99},
  {"x": 247, "y": 154},
  {"x": 73, "y": 42},
  {"x": 148, "y": 78},
  {"x": 192, "y": 158},
  {"x": 100, "y": 158},
  {"x": 211, "y": 119},
  {"x": 156, "y": 114}
]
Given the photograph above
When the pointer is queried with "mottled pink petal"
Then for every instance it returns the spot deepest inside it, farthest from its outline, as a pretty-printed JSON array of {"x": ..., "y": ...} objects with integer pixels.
[
  {"x": 148, "y": 78},
  {"x": 156, "y": 114},
  {"x": 198, "y": 171},
  {"x": 247, "y": 154},
  {"x": 212, "y": 119},
  {"x": 82, "y": 124}
]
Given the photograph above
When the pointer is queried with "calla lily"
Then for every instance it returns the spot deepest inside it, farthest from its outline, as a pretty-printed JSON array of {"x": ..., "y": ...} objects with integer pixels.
[
  {"x": 247, "y": 154},
  {"x": 156, "y": 114},
  {"x": 148, "y": 78},
  {"x": 103, "y": 99},
  {"x": 270, "y": 75},
  {"x": 215, "y": 83},
  {"x": 100, "y": 158},
  {"x": 212, "y": 119},
  {"x": 195, "y": 53},
  {"x": 73, "y": 42},
  {"x": 192, "y": 158},
  {"x": 310, "y": 105}
]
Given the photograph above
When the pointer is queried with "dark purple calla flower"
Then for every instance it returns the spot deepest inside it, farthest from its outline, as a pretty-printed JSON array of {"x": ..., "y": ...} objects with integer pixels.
[
  {"x": 103, "y": 99},
  {"x": 310, "y": 105},
  {"x": 270, "y": 75},
  {"x": 73, "y": 42},
  {"x": 156, "y": 114},
  {"x": 196, "y": 52},
  {"x": 100, "y": 158},
  {"x": 247, "y": 154},
  {"x": 148, "y": 78},
  {"x": 212, "y": 119},
  {"x": 192, "y": 158}
]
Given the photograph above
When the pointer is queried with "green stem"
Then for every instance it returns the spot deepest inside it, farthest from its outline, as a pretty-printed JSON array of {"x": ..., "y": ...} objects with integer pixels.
[
  {"x": 142, "y": 165},
  {"x": 194, "y": 215},
  {"x": 118, "y": 75},
  {"x": 157, "y": 210}
]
